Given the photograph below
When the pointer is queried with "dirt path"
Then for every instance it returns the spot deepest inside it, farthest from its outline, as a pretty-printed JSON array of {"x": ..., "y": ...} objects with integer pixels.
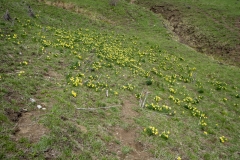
[{"x": 131, "y": 148}]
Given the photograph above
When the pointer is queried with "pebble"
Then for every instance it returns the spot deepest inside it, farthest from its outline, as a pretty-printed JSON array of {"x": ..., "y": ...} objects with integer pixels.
[
  {"x": 39, "y": 106},
  {"x": 32, "y": 100}
]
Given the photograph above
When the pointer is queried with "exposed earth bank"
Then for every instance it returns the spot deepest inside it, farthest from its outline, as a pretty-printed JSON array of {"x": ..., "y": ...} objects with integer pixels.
[{"x": 189, "y": 35}]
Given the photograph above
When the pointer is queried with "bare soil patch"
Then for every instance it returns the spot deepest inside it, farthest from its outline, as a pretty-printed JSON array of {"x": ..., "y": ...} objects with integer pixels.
[
  {"x": 53, "y": 76},
  {"x": 13, "y": 115},
  {"x": 78, "y": 9},
  {"x": 27, "y": 125},
  {"x": 127, "y": 112},
  {"x": 128, "y": 137},
  {"x": 190, "y": 35}
]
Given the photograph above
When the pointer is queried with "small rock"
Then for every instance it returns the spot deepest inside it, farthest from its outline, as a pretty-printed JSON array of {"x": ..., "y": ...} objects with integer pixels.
[
  {"x": 24, "y": 110},
  {"x": 39, "y": 106},
  {"x": 32, "y": 100}
]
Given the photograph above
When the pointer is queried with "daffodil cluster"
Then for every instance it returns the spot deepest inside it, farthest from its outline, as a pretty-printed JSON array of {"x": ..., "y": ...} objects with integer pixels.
[
  {"x": 138, "y": 95},
  {"x": 219, "y": 85},
  {"x": 157, "y": 98},
  {"x": 165, "y": 134},
  {"x": 129, "y": 87},
  {"x": 76, "y": 65},
  {"x": 203, "y": 123},
  {"x": 24, "y": 63},
  {"x": 169, "y": 79},
  {"x": 20, "y": 73},
  {"x": 151, "y": 131},
  {"x": 192, "y": 100},
  {"x": 223, "y": 139},
  {"x": 163, "y": 108},
  {"x": 76, "y": 81},
  {"x": 175, "y": 100},
  {"x": 237, "y": 95},
  {"x": 171, "y": 90},
  {"x": 195, "y": 111}
]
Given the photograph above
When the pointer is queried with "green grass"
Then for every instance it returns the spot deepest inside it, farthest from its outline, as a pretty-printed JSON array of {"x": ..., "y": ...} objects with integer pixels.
[{"x": 74, "y": 58}]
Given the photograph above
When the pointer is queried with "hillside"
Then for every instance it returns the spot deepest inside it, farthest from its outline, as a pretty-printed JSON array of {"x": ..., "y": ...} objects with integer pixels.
[
  {"x": 211, "y": 27},
  {"x": 97, "y": 80}
]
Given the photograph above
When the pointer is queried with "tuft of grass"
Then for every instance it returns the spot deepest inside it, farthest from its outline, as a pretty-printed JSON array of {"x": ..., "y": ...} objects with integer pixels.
[{"x": 126, "y": 150}]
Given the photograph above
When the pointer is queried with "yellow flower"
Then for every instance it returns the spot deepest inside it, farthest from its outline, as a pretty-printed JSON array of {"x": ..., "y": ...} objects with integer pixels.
[
  {"x": 205, "y": 132},
  {"x": 179, "y": 158},
  {"x": 20, "y": 73},
  {"x": 157, "y": 98},
  {"x": 222, "y": 139},
  {"x": 74, "y": 94}
]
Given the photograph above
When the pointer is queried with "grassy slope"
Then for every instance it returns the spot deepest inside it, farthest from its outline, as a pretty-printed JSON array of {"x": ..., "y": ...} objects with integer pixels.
[{"x": 116, "y": 47}]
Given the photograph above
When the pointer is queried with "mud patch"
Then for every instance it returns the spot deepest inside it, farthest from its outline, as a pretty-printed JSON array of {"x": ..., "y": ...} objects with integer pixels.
[{"x": 28, "y": 127}]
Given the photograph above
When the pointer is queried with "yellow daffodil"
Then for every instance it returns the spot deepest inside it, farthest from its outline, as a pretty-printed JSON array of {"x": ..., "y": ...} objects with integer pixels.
[{"x": 74, "y": 94}]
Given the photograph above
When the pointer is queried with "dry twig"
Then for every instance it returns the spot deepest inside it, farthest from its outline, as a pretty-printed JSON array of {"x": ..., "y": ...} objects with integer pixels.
[
  {"x": 99, "y": 107},
  {"x": 143, "y": 104}
]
